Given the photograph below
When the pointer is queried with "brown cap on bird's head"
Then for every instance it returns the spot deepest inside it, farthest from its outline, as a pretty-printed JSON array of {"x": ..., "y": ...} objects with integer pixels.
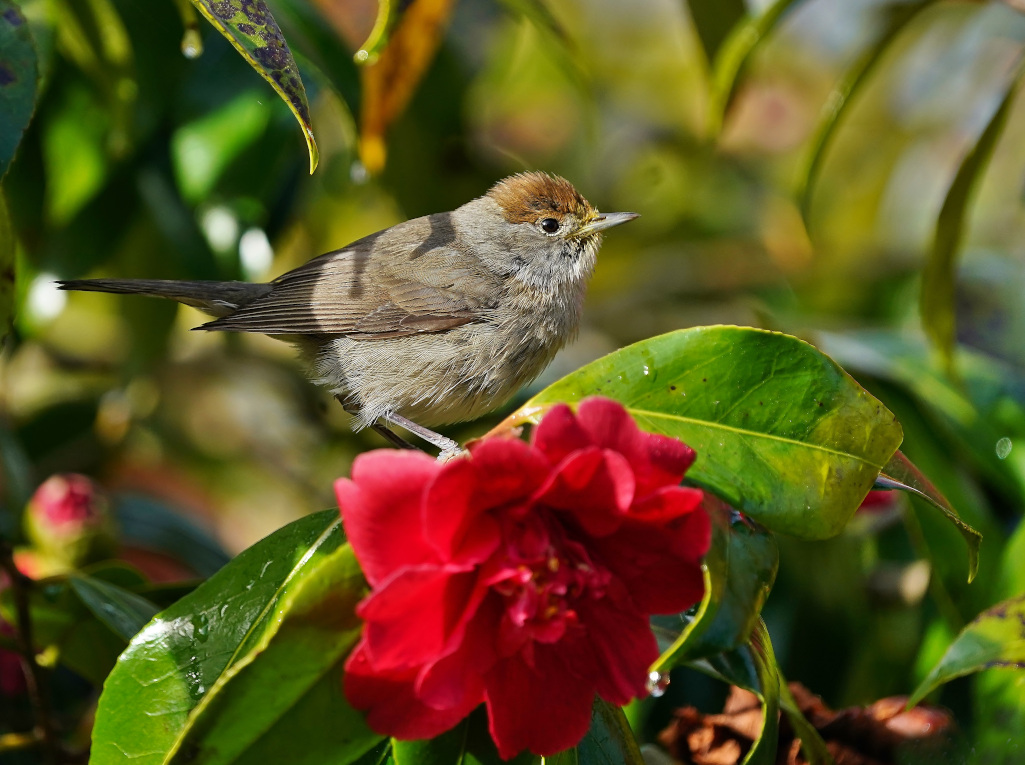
[{"x": 525, "y": 196}]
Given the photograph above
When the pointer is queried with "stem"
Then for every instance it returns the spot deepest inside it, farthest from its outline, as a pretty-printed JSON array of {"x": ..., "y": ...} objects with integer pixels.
[{"x": 34, "y": 680}]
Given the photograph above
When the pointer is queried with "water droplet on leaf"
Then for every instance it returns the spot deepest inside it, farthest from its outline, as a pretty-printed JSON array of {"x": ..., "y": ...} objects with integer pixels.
[
  {"x": 1003, "y": 448},
  {"x": 657, "y": 683}
]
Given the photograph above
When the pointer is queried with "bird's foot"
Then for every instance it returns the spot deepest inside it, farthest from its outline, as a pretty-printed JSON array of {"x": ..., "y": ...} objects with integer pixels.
[{"x": 449, "y": 448}]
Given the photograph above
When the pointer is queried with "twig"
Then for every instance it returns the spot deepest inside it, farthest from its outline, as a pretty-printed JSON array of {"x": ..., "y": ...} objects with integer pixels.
[{"x": 34, "y": 681}]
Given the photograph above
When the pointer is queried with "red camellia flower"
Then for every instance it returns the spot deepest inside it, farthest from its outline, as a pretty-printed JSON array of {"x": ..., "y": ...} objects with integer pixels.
[{"x": 521, "y": 576}]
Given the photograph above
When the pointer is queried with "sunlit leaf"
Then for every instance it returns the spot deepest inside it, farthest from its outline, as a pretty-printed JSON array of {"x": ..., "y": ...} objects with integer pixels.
[
  {"x": 389, "y": 81},
  {"x": 170, "y": 667},
  {"x": 250, "y": 27},
  {"x": 900, "y": 473},
  {"x": 713, "y": 21},
  {"x": 299, "y": 657},
  {"x": 937, "y": 302},
  {"x": 739, "y": 571},
  {"x": 735, "y": 54},
  {"x": 995, "y": 638},
  {"x": 898, "y": 18},
  {"x": 782, "y": 433},
  {"x": 19, "y": 85}
]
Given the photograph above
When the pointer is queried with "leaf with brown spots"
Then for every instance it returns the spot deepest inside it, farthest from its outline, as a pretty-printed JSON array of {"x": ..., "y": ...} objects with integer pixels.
[
  {"x": 390, "y": 78},
  {"x": 995, "y": 638},
  {"x": 19, "y": 81},
  {"x": 251, "y": 29}
]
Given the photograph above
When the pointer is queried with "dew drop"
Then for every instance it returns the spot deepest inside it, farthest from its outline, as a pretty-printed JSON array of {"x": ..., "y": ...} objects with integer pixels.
[
  {"x": 201, "y": 627},
  {"x": 192, "y": 44},
  {"x": 657, "y": 683},
  {"x": 362, "y": 56},
  {"x": 1003, "y": 448}
]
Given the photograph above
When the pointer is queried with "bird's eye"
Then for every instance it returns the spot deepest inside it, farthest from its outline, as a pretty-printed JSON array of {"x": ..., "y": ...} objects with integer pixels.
[{"x": 549, "y": 225}]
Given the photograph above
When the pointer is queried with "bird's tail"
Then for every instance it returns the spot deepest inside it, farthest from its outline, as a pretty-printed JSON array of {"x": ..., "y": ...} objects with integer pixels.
[{"x": 215, "y": 298}]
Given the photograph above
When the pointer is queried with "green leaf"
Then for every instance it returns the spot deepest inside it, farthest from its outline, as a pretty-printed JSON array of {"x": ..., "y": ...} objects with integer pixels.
[
  {"x": 124, "y": 612},
  {"x": 995, "y": 638},
  {"x": 939, "y": 275},
  {"x": 898, "y": 18},
  {"x": 999, "y": 718},
  {"x": 734, "y": 55},
  {"x": 713, "y": 20},
  {"x": 782, "y": 433},
  {"x": 311, "y": 633},
  {"x": 8, "y": 259},
  {"x": 609, "y": 740},
  {"x": 19, "y": 83},
  {"x": 814, "y": 748},
  {"x": 900, "y": 473},
  {"x": 753, "y": 667},
  {"x": 204, "y": 148},
  {"x": 250, "y": 27},
  {"x": 739, "y": 571},
  {"x": 149, "y": 699},
  {"x": 469, "y": 743}
]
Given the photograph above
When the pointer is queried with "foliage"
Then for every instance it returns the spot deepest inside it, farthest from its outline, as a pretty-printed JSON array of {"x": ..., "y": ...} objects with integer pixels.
[{"x": 875, "y": 245}]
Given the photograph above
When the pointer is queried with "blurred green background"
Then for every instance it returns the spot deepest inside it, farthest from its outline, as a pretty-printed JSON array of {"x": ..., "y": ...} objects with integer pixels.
[{"x": 140, "y": 162}]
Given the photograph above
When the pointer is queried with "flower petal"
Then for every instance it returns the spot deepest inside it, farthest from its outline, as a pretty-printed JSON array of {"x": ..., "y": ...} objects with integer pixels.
[
  {"x": 559, "y": 434},
  {"x": 381, "y": 510},
  {"x": 544, "y": 709},
  {"x": 624, "y": 645},
  {"x": 416, "y": 616},
  {"x": 656, "y": 460},
  {"x": 595, "y": 485},
  {"x": 392, "y": 706},
  {"x": 456, "y": 526}
]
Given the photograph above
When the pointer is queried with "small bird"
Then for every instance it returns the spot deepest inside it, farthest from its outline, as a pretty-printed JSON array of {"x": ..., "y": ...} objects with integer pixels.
[{"x": 433, "y": 321}]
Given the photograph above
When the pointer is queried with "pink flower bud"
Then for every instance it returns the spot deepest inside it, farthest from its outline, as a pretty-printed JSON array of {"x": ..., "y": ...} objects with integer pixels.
[{"x": 68, "y": 521}]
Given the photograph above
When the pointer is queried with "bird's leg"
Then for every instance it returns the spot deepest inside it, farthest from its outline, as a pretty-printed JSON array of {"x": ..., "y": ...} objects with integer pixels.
[
  {"x": 449, "y": 448},
  {"x": 389, "y": 435}
]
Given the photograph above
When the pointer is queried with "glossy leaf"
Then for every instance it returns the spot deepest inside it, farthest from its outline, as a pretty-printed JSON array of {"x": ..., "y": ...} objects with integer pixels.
[
  {"x": 124, "y": 612},
  {"x": 898, "y": 18},
  {"x": 739, "y": 571},
  {"x": 781, "y": 432},
  {"x": 300, "y": 653},
  {"x": 389, "y": 81},
  {"x": 250, "y": 27},
  {"x": 713, "y": 20},
  {"x": 171, "y": 666},
  {"x": 900, "y": 473},
  {"x": 995, "y": 638},
  {"x": 734, "y": 55},
  {"x": 19, "y": 85},
  {"x": 312, "y": 35},
  {"x": 937, "y": 301},
  {"x": 609, "y": 740}
]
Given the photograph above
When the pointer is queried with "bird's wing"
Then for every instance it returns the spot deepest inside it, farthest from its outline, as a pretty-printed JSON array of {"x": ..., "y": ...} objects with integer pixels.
[{"x": 369, "y": 292}]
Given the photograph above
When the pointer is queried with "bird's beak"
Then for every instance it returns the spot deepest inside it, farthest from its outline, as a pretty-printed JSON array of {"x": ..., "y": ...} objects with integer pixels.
[{"x": 604, "y": 221}]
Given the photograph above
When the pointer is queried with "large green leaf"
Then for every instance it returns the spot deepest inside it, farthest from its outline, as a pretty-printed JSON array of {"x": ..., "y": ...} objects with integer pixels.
[
  {"x": 899, "y": 17},
  {"x": 938, "y": 276},
  {"x": 250, "y": 27},
  {"x": 739, "y": 571},
  {"x": 900, "y": 473},
  {"x": 311, "y": 633},
  {"x": 781, "y": 432},
  {"x": 995, "y": 638},
  {"x": 19, "y": 83},
  {"x": 171, "y": 666}
]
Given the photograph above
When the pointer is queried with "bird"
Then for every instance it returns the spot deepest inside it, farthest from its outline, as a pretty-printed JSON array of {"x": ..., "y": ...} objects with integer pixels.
[{"x": 433, "y": 321}]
